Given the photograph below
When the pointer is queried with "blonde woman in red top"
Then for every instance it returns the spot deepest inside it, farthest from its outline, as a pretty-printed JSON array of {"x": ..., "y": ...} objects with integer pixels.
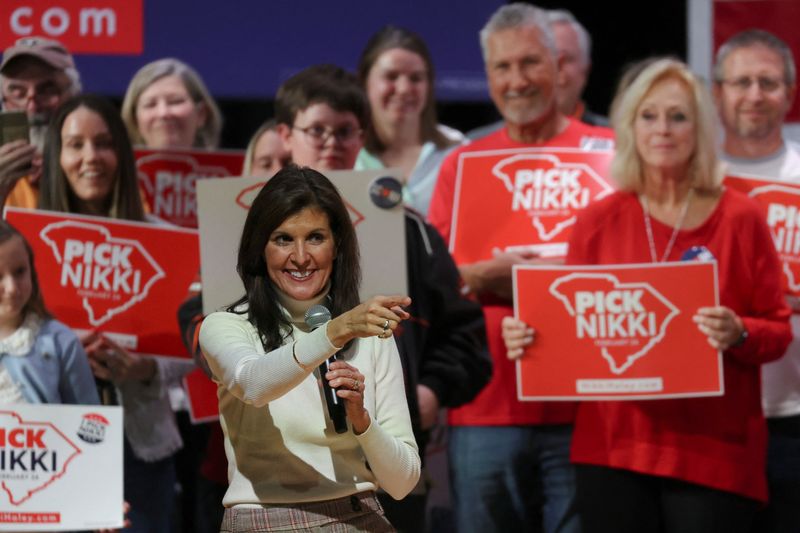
[{"x": 681, "y": 465}]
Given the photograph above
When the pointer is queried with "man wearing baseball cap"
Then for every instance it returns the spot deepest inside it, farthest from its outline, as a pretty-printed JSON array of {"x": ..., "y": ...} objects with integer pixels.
[{"x": 36, "y": 76}]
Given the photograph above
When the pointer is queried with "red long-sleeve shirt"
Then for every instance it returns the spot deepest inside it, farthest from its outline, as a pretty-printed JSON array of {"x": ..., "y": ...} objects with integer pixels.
[
  {"x": 497, "y": 404},
  {"x": 718, "y": 442}
]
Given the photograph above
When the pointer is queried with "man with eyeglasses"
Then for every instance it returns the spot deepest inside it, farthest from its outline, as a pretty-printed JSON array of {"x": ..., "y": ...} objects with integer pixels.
[
  {"x": 36, "y": 76},
  {"x": 754, "y": 88}
]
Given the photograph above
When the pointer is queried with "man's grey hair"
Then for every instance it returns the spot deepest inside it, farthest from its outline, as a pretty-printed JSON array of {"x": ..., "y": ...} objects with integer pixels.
[
  {"x": 518, "y": 15},
  {"x": 756, "y": 37},
  {"x": 562, "y": 16}
]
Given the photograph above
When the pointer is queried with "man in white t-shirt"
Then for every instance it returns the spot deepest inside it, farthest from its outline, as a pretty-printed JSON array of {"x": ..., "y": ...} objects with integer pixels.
[{"x": 754, "y": 85}]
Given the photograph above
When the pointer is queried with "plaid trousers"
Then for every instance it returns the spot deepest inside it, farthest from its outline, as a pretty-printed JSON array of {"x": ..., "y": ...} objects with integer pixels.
[{"x": 350, "y": 514}]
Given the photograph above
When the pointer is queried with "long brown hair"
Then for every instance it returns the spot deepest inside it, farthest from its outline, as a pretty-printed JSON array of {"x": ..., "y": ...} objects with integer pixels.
[
  {"x": 55, "y": 194},
  {"x": 291, "y": 190},
  {"x": 388, "y": 38}
]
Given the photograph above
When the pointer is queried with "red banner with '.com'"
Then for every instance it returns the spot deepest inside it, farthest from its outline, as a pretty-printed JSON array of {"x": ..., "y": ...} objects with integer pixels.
[
  {"x": 126, "y": 279},
  {"x": 83, "y": 26}
]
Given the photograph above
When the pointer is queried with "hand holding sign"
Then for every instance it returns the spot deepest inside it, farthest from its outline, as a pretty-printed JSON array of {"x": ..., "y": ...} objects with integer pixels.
[
  {"x": 517, "y": 335},
  {"x": 494, "y": 275},
  {"x": 111, "y": 362},
  {"x": 721, "y": 325}
]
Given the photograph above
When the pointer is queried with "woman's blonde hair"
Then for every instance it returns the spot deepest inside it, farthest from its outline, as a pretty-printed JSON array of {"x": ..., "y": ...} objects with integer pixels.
[
  {"x": 250, "y": 152},
  {"x": 207, "y": 135},
  {"x": 705, "y": 171}
]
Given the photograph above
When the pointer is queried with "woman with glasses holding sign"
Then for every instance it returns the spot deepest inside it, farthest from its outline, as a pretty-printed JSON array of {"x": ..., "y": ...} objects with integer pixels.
[
  {"x": 694, "y": 464},
  {"x": 293, "y": 462},
  {"x": 396, "y": 71},
  {"x": 89, "y": 170}
]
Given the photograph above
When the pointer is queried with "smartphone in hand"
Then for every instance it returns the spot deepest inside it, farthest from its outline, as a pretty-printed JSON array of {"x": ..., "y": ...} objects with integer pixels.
[{"x": 13, "y": 126}]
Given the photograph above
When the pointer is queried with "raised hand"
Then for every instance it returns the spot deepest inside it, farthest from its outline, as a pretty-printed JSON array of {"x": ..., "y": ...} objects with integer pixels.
[{"x": 378, "y": 316}]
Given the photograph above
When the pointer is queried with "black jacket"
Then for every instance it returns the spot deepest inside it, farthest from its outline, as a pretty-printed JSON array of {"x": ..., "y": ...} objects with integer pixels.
[{"x": 443, "y": 344}]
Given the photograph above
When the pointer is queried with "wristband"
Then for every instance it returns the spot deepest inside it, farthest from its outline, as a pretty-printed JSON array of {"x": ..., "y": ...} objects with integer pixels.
[{"x": 742, "y": 338}]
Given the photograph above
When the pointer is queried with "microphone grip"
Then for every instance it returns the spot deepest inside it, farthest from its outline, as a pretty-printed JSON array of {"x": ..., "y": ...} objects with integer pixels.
[{"x": 335, "y": 404}]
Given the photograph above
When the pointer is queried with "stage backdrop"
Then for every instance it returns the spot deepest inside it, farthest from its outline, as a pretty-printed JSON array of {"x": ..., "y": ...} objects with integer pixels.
[{"x": 245, "y": 49}]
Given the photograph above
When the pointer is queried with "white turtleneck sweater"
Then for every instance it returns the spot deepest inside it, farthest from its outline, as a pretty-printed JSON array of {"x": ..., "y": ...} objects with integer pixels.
[{"x": 279, "y": 440}]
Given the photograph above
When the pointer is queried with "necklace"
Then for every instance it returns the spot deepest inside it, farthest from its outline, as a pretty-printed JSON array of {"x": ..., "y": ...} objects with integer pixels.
[{"x": 649, "y": 228}]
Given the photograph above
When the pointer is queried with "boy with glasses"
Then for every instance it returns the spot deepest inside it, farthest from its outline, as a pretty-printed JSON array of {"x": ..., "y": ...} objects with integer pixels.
[{"x": 321, "y": 114}]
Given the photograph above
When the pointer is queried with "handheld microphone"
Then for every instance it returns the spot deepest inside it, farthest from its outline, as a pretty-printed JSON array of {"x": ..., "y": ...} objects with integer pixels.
[{"x": 316, "y": 316}]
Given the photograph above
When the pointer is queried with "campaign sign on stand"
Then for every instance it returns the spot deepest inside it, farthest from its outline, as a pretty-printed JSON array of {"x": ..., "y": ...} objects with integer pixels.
[
  {"x": 780, "y": 202},
  {"x": 373, "y": 199},
  {"x": 168, "y": 179},
  {"x": 375, "y": 210},
  {"x": 529, "y": 198},
  {"x": 125, "y": 279},
  {"x": 60, "y": 467},
  {"x": 616, "y": 332}
]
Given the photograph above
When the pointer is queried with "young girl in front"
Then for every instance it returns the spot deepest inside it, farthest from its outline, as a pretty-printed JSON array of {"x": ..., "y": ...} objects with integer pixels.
[{"x": 41, "y": 359}]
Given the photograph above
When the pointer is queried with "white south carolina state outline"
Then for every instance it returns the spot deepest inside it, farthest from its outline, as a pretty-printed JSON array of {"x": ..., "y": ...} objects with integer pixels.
[
  {"x": 617, "y": 285},
  {"x": 113, "y": 311},
  {"x": 537, "y": 224},
  {"x": 794, "y": 286}
]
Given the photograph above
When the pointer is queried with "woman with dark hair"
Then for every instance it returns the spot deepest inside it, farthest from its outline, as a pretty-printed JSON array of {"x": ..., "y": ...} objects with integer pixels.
[
  {"x": 286, "y": 463},
  {"x": 396, "y": 72},
  {"x": 89, "y": 166},
  {"x": 90, "y": 170}
]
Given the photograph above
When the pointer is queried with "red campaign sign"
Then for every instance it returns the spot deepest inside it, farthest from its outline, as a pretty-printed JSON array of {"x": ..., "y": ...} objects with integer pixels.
[
  {"x": 202, "y": 393},
  {"x": 616, "y": 332},
  {"x": 168, "y": 179},
  {"x": 780, "y": 202},
  {"x": 126, "y": 279},
  {"x": 83, "y": 26},
  {"x": 525, "y": 199}
]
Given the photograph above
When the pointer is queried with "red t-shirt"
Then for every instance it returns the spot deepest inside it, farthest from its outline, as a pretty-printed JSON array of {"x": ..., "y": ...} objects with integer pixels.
[
  {"x": 497, "y": 404},
  {"x": 718, "y": 442}
]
